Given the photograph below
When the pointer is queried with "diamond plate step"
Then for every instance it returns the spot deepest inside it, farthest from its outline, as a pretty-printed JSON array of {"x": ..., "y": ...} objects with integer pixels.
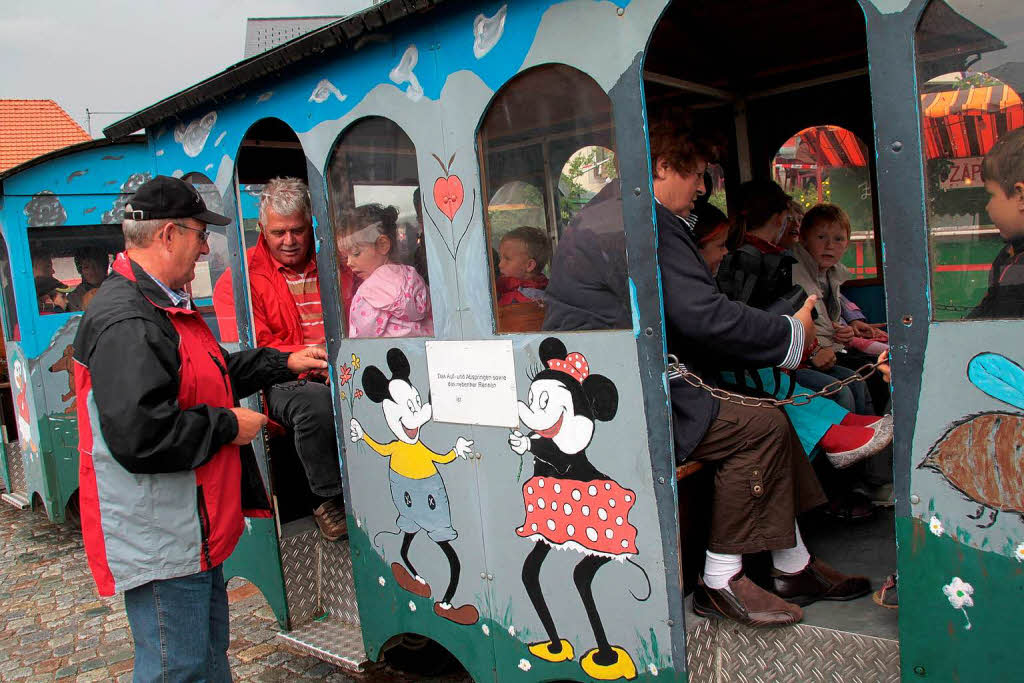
[
  {"x": 330, "y": 640},
  {"x": 15, "y": 499}
]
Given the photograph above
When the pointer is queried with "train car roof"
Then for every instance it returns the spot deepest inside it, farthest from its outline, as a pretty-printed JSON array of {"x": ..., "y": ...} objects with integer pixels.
[
  {"x": 72, "y": 149},
  {"x": 344, "y": 33}
]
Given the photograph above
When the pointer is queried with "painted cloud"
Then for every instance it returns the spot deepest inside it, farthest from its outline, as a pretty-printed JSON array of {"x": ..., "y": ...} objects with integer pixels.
[
  {"x": 45, "y": 209},
  {"x": 487, "y": 32},
  {"x": 193, "y": 136},
  {"x": 323, "y": 90},
  {"x": 403, "y": 73},
  {"x": 128, "y": 187}
]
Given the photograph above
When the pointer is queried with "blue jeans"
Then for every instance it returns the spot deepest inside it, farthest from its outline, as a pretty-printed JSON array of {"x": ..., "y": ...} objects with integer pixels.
[
  {"x": 854, "y": 397},
  {"x": 180, "y": 627}
]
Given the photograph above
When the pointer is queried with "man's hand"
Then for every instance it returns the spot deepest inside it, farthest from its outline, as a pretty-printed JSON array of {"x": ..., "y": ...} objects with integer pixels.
[
  {"x": 844, "y": 333},
  {"x": 804, "y": 316},
  {"x": 249, "y": 425},
  {"x": 824, "y": 360},
  {"x": 311, "y": 359}
]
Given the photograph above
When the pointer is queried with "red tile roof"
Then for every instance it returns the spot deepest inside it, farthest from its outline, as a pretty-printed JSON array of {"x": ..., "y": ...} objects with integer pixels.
[{"x": 29, "y": 128}]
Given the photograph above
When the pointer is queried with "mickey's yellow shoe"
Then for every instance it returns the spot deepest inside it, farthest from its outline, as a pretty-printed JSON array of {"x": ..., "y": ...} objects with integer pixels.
[
  {"x": 543, "y": 651},
  {"x": 623, "y": 667}
]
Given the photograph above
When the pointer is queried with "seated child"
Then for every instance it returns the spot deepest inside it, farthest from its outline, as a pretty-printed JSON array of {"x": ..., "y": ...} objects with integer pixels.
[
  {"x": 1003, "y": 173},
  {"x": 393, "y": 300},
  {"x": 824, "y": 236},
  {"x": 844, "y": 437},
  {"x": 522, "y": 255},
  {"x": 51, "y": 295}
]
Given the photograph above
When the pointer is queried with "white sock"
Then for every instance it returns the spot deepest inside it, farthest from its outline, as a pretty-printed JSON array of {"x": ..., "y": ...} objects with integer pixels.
[
  {"x": 719, "y": 568},
  {"x": 792, "y": 560}
]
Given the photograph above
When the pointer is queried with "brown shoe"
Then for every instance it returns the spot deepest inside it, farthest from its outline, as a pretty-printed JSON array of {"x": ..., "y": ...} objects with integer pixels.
[
  {"x": 467, "y": 615},
  {"x": 413, "y": 584},
  {"x": 748, "y": 604},
  {"x": 330, "y": 517},
  {"x": 818, "y": 581}
]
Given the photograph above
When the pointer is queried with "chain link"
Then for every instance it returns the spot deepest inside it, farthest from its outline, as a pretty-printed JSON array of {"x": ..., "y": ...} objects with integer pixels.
[{"x": 677, "y": 370}]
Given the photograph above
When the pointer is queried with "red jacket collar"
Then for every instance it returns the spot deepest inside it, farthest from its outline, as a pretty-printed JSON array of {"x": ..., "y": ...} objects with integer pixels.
[
  {"x": 145, "y": 282},
  {"x": 762, "y": 245}
]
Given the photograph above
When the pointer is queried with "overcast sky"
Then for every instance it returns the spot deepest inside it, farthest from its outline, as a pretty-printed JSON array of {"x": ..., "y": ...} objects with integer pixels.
[{"x": 123, "y": 55}]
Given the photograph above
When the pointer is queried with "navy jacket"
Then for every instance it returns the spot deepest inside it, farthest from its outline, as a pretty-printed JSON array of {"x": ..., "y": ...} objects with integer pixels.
[{"x": 707, "y": 331}]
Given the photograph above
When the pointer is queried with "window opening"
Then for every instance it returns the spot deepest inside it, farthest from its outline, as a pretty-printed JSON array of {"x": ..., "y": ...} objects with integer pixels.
[
  {"x": 829, "y": 165},
  {"x": 10, "y": 309},
  {"x": 967, "y": 53},
  {"x": 69, "y": 263},
  {"x": 554, "y": 218},
  {"x": 377, "y": 217}
]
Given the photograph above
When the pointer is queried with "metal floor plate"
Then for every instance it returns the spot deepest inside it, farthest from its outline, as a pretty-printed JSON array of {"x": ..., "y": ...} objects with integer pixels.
[{"x": 331, "y": 640}]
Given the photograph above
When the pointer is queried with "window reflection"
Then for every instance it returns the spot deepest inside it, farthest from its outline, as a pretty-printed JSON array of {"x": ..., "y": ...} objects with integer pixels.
[
  {"x": 377, "y": 215},
  {"x": 554, "y": 218},
  {"x": 69, "y": 263},
  {"x": 968, "y": 53}
]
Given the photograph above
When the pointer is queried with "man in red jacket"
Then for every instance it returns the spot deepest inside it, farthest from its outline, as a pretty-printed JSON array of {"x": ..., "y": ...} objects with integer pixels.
[
  {"x": 284, "y": 286},
  {"x": 162, "y": 480}
]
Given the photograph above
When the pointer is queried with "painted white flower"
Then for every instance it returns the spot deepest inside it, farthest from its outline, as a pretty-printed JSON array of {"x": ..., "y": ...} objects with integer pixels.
[
  {"x": 959, "y": 593},
  {"x": 524, "y": 665},
  {"x": 381, "y": 581},
  {"x": 653, "y": 669},
  {"x": 512, "y": 631},
  {"x": 359, "y": 523},
  {"x": 486, "y": 629},
  {"x": 1019, "y": 552},
  {"x": 935, "y": 526},
  {"x": 412, "y": 606}
]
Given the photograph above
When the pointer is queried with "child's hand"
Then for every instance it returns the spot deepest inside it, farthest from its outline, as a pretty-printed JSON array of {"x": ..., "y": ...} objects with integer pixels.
[
  {"x": 824, "y": 360},
  {"x": 863, "y": 330},
  {"x": 843, "y": 334},
  {"x": 883, "y": 367}
]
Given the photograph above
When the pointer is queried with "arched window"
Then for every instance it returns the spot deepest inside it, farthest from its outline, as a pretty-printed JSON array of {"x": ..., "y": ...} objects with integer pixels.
[
  {"x": 967, "y": 53},
  {"x": 554, "y": 218},
  {"x": 830, "y": 164},
  {"x": 376, "y": 207}
]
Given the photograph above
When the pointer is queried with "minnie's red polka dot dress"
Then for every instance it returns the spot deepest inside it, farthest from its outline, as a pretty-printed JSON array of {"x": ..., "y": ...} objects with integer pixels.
[{"x": 591, "y": 517}]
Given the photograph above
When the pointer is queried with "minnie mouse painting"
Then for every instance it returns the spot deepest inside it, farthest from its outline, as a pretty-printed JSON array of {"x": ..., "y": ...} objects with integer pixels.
[
  {"x": 570, "y": 504},
  {"x": 417, "y": 488}
]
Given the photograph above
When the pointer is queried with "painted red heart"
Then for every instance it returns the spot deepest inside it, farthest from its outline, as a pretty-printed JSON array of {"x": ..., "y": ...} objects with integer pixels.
[{"x": 448, "y": 195}]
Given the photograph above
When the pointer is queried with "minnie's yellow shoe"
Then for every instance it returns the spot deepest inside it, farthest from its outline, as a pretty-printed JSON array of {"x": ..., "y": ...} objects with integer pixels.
[
  {"x": 623, "y": 667},
  {"x": 543, "y": 651}
]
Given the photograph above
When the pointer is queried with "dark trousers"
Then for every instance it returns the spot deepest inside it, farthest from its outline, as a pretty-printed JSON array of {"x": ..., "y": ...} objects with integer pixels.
[
  {"x": 762, "y": 479},
  {"x": 304, "y": 408}
]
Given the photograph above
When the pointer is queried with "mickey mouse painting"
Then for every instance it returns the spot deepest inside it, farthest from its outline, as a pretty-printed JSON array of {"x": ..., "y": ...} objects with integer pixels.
[
  {"x": 570, "y": 505},
  {"x": 417, "y": 488}
]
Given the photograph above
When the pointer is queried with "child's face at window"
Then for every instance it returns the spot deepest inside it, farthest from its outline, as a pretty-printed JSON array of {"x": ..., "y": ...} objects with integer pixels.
[
  {"x": 714, "y": 250},
  {"x": 514, "y": 260},
  {"x": 826, "y": 242},
  {"x": 363, "y": 258},
  {"x": 1007, "y": 213}
]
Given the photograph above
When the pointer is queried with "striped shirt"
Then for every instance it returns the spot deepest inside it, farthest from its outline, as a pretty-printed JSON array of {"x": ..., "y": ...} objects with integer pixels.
[{"x": 305, "y": 290}]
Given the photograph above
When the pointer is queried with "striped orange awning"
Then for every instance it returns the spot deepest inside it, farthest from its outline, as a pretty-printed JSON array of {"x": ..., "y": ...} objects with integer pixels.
[
  {"x": 824, "y": 146},
  {"x": 966, "y": 123}
]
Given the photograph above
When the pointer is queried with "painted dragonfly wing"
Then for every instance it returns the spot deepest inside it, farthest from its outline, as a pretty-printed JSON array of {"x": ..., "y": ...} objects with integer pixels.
[{"x": 999, "y": 377}]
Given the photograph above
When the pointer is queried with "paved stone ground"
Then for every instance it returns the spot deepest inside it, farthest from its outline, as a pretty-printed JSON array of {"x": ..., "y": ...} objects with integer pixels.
[{"x": 54, "y": 626}]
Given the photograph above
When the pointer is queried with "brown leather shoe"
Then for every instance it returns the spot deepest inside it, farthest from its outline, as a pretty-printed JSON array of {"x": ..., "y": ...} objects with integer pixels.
[
  {"x": 748, "y": 604},
  {"x": 818, "y": 581},
  {"x": 330, "y": 517}
]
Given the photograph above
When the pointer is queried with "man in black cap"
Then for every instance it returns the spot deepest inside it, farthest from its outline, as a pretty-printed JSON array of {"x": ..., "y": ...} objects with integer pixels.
[
  {"x": 51, "y": 294},
  {"x": 163, "y": 481}
]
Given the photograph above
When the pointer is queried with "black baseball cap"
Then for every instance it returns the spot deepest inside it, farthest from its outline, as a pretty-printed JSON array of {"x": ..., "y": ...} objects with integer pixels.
[
  {"x": 47, "y": 283},
  {"x": 166, "y": 197}
]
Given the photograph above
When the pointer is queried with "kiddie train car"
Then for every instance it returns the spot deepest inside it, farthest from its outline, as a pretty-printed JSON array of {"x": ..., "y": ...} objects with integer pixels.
[
  {"x": 471, "y": 119},
  {"x": 60, "y": 217}
]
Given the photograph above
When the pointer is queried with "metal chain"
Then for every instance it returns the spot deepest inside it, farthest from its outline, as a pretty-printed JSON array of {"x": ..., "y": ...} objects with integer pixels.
[{"x": 677, "y": 370}]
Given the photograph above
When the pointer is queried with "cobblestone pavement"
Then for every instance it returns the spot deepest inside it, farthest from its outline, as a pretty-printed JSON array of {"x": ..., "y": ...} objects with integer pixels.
[{"x": 54, "y": 626}]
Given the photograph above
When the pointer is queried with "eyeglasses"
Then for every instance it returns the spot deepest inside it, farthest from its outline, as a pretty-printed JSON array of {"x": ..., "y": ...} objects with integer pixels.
[{"x": 204, "y": 235}]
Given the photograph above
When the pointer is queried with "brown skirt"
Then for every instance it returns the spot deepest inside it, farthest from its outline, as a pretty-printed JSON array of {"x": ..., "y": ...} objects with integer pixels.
[{"x": 763, "y": 479}]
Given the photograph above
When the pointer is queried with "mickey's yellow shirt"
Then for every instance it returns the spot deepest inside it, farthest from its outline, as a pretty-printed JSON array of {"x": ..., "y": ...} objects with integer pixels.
[{"x": 412, "y": 460}]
